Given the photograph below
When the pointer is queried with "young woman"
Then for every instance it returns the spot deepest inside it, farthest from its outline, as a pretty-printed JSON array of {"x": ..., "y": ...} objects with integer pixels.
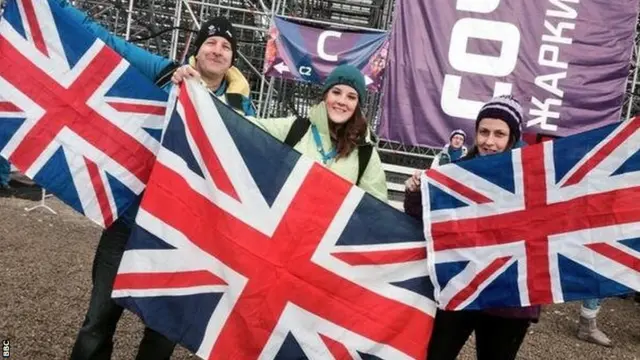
[
  {"x": 499, "y": 332},
  {"x": 336, "y": 133}
]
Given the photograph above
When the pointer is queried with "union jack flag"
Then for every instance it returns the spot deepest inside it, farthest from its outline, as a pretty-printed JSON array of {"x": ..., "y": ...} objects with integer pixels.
[
  {"x": 74, "y": 116},
  {"x": 548, "y": 223},
  {"x": 244, "y": 249}
]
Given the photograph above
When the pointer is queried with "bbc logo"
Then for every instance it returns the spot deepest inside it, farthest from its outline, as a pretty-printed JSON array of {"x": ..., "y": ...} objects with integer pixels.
[{"x": 6, "y": 349}]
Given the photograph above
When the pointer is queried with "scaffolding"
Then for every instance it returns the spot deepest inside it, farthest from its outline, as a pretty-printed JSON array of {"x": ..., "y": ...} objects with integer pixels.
[
  {"x": 167, "y": 27},
  {"x": 172, "y": 24},
  {"x": 631, "y": 103}
]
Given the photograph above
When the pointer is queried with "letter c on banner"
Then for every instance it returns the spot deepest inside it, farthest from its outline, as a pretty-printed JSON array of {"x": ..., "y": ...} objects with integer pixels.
[{"x": 322, "y": 39}]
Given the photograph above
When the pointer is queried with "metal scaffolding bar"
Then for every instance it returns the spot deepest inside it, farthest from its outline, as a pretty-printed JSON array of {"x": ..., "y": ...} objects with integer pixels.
[
  {"x": 631, "y": 96},
  {"x": 174, "y": 36},
  {"x": 129, "y": 20}
]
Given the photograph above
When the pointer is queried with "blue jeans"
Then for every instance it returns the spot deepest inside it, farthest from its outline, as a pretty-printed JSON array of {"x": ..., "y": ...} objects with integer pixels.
[
  {"x": 95, "y": 338},
  {"x": 591, "y": 304},
  {"x": 5, "y": 171}
]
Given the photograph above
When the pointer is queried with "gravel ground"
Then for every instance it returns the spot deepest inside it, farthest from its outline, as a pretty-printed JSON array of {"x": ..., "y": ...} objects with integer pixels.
[{"x": 45, "y": 278}]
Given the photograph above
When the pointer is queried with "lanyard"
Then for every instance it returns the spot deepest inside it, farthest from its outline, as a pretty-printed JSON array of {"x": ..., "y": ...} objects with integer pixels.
[{"x": 316, "y": 137}]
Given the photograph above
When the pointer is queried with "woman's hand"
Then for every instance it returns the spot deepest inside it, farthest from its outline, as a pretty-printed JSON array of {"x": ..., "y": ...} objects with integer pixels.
[
  {"x": 413, "y": 183},
  {"x": 184, "y": 72}
]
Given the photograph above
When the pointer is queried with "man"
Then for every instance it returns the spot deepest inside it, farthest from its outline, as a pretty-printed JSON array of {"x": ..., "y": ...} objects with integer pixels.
[
  {"x": 215, "y": 52},
  {"x": 453, "y": 151},
  {"x": 212, "y": 58}
]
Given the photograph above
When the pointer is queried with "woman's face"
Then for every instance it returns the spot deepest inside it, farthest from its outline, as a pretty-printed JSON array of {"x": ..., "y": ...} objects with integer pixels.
[
  {"x": 492, "y": 136},
  {"x": 341, "y": 102}
]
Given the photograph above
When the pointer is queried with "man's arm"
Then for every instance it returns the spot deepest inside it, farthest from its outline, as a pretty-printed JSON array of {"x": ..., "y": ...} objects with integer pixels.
[{"x": 150, "y": 65}]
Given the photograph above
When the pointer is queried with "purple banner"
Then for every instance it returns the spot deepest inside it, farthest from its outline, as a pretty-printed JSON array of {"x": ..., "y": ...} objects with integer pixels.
[
  {"x": 309, "y": 54},
  {"x": 565, "y": 60}
]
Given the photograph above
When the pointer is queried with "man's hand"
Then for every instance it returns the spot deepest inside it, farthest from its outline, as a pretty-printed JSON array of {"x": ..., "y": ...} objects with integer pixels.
[{"x": 184, "y": 72}]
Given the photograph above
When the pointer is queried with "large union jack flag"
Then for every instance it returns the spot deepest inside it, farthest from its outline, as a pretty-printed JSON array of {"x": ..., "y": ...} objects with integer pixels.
[
  {"x": 74, "y": 116},
  {"x": 553, "y": 222},
  {"x": 244, "y": 249}
]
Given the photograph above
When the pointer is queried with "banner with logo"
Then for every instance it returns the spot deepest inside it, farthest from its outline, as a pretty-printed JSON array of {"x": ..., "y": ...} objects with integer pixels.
[
  {"x": 309, "y": 54},
  {"x": 565, "y": 60}
]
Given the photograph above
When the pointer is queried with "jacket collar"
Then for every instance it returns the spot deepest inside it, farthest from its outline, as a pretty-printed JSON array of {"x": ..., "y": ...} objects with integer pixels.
[{"x": 233, "y": 82}]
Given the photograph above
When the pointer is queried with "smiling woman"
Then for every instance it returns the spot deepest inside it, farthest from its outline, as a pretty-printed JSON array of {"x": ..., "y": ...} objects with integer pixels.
[
  {"x": 492, "y": 136},
  {"x": 342, "y": 102},
  {"x": 499, "y": 332},
  {"x": 335, "y": 132},
  {"x": 343, "y": 90},
  {"x": 498, "y": 126}
]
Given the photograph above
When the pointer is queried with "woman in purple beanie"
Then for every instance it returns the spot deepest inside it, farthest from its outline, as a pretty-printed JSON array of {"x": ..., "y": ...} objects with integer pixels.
[{"x": 499, "y": 332}]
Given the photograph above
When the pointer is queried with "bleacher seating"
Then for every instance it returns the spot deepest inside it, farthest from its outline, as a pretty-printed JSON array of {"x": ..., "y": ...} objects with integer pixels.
[{"x": 398, "y": 168}]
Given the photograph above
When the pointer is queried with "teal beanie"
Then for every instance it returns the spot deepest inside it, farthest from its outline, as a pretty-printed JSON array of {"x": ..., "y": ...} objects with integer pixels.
[{"x": 347, "y": 75}]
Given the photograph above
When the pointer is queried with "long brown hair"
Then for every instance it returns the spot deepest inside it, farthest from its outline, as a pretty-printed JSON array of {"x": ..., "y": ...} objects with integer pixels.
[{"x": 348, "y": 135}]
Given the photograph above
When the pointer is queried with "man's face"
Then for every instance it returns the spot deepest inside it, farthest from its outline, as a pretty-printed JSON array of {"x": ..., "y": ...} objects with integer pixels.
[
  {"x": 457, "y": 141},
  {"x": 214, "y": 57}
]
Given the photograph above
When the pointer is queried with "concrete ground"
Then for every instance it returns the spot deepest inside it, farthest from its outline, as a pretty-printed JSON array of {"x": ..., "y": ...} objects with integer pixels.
[{"x": 45, "y": 278}]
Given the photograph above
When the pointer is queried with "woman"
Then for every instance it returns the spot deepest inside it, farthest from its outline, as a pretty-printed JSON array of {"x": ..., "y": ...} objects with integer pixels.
[
  {"x": 499, "y": 332},
  {"x": 336, "y": 131}
]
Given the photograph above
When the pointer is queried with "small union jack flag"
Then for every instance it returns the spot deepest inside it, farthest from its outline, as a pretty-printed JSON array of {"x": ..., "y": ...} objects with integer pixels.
[
  {"x": 75, "y": 116},
  {"x": 244, "y": 249},
  {"x": 548, "y": 223}
]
